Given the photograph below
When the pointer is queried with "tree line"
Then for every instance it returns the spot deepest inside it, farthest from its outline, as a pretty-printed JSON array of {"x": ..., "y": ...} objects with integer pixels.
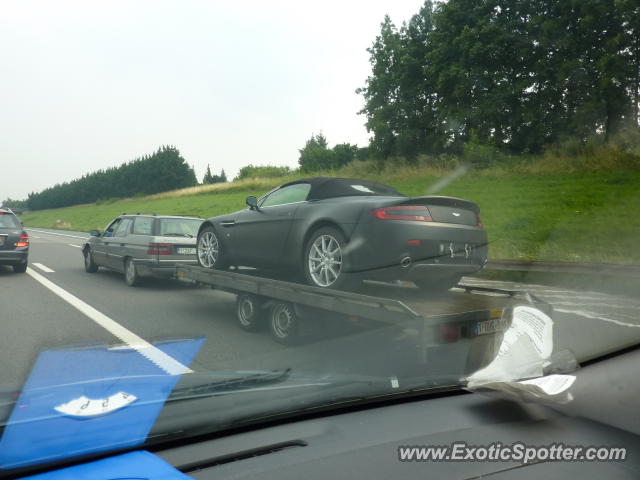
[
  {"x": 514, "y": 74},
  {"x": 164, "y": 170}
]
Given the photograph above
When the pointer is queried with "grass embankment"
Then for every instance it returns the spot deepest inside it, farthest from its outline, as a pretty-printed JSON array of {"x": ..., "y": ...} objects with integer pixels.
[{"x": 530, "y": 211}]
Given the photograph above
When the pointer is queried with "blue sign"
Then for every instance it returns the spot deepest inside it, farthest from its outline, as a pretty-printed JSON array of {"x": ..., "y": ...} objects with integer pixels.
[
  {"x": 134, "y": 465},
  {"x": 88, "y": 400}
]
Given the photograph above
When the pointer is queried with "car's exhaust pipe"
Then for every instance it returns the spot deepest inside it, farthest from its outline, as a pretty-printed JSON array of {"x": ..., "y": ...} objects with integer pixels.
[{"x": 405, "y": 262}]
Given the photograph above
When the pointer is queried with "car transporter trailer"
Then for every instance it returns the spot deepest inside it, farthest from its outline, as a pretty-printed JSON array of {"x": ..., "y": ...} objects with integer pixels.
[{"x": 465, "y": 313}]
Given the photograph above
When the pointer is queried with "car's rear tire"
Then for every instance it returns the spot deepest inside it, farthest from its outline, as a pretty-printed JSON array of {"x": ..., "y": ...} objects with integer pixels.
[
  {"x": 283, "y": 323},
  {"x": 20, "y": 268},
  {"x": 209, "y": 249},
  {"x": 89, "y": 264},
  {"x": 437, "y": 285},
  {"x": 249, "y": 312},
  {"x": 131, "y": 276},
  {"x": 324, "y": 260}
]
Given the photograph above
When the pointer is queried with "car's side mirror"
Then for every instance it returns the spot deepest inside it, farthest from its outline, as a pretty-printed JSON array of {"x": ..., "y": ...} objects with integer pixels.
[
  {"x": 95, "y": 233},
  {"x": 252, "y": 201}
]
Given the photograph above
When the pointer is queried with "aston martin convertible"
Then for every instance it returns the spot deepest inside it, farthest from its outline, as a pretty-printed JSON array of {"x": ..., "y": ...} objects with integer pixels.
[{"x": 336, "y": 232}]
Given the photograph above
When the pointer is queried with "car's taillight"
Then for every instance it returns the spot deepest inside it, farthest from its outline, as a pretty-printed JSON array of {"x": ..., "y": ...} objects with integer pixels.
[
  {"x": 159, "y": 249},
  {"x": 24, "y": 241},
  {"x": 418, "y": 213},
  {"x": 478, "y": 221},
  {"x": 449, "y": 332}
]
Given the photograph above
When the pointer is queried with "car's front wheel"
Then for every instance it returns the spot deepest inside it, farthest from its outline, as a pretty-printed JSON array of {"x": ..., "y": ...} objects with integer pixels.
[
  {"x": 324, "y": 260},
  {"x": 89, "y": 265},
  {"x": 209, "y": 249}
]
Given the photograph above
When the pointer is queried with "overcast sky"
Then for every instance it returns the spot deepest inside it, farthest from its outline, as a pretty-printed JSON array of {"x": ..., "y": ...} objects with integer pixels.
[{"x": 87, "y": 85}]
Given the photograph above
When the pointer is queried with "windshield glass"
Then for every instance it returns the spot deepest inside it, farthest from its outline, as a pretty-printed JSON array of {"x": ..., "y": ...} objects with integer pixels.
[{"x": 310, "y": 206}]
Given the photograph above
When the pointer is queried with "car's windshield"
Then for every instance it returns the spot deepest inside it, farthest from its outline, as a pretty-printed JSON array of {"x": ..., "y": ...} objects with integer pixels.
[{"x": 235, "y": 213}]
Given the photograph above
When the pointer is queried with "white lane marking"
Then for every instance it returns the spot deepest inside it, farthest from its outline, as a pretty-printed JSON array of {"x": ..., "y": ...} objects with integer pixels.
[
  {"x": 42, "y": 267},
  {"x": 73, "y": 245},
  {"x": 155, "y": 355},
  {"x": 52, "y": 233},
  {"x": 35, "y": 236},
  {"x": 596, "y": 316}
]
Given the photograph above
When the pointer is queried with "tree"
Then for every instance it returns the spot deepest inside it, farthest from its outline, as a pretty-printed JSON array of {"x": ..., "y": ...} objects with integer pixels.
[
  {"x": 165, "y": 170},
  {"x": 315, "y": 155},
  {"x": 381, "y": 89},
  {"x": 208, "y": 178},
  {"x": 510, "y": 74},
  {"x": 344, "y": 153}
]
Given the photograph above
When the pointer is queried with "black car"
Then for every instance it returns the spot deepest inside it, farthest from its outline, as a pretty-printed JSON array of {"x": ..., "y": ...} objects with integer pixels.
[
  {"x": 14, "y": 242},
  {"x": 333, "y": 232}
]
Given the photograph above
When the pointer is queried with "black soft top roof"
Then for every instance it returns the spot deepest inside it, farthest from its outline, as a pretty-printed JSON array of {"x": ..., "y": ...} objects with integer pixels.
[{"x": 331, "y": 187}]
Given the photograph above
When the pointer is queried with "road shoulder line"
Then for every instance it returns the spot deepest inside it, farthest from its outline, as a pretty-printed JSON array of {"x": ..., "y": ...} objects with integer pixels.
[{"x": 169, "y": 364}]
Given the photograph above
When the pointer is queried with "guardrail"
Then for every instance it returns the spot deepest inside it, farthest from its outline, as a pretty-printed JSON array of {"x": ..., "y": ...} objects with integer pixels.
[{"x": 566, "y": 267}]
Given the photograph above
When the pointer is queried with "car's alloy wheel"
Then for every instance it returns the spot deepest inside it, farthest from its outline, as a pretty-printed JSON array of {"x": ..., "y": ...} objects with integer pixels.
[
  {"x": 324, "y": 260},
  {"x": 208, "y": 248},
  {"x": 130, "y": 274}
]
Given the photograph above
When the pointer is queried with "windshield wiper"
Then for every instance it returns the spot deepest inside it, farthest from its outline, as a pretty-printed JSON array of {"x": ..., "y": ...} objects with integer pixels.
[{"x": 242, "y": 382}]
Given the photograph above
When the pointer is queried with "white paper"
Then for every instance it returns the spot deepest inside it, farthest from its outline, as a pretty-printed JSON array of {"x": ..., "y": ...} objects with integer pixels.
[
  {"x": 90, "y": 407},
  {"x": 525, "y": 347},
  {"x": 552, "y": 384}
]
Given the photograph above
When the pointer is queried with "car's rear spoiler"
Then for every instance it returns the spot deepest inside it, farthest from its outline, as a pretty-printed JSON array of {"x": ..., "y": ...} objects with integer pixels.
[{"x": 443, "y": 201}]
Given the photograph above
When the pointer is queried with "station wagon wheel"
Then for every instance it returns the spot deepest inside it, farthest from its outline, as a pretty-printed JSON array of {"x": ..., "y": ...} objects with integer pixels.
[
  {"x": 89, "y": 264},
  {"x": 131, "y": 276},
  {"x": 249, "y": 311},
  {"x": 209, "y": 248},
  {"x": 283, "y": 323}
]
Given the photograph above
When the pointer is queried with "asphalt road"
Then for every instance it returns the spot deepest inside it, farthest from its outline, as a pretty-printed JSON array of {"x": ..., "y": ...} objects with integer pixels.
[{"x": 33, "y": 318}]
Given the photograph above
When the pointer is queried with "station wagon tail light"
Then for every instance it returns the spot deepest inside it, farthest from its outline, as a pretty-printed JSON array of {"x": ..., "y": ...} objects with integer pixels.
[
  {"x": 23, "y": 241},
  {"x": 478, "y": 221},
  {"x": 449, "y": 332},
  {"x": 159, "y": 249},
  {"x": 419, "y": 213}
]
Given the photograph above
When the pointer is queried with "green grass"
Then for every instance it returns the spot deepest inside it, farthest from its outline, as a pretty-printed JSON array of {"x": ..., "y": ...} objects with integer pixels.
[{"x": 583, "y": 217}]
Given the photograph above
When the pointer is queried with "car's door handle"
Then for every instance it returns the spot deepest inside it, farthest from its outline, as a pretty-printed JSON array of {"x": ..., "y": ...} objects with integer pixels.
[{"x": 228, "y": 223}]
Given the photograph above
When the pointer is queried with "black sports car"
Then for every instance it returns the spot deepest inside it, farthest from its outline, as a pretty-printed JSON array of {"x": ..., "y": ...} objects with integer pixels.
[{"x": 333, "y": 232}]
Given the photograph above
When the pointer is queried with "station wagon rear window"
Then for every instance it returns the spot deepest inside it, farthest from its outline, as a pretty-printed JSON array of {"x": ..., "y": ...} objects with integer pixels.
[{"x": 179, "y": 227}]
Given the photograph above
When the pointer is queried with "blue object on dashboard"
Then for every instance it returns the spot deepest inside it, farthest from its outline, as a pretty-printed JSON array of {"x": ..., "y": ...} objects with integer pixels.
[
  {"x": 135, "y": 465},
  {"x": 62, "y": 380}
]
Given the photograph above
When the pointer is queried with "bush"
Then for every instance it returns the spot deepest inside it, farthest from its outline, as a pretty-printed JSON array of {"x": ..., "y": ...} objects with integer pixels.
[{"x": 262, "y": 171}]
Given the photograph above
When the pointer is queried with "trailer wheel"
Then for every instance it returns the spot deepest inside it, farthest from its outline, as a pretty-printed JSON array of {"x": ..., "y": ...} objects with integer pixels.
[
  {"x": 249, "y": 311},
  {"x": 283, "y": 323}
]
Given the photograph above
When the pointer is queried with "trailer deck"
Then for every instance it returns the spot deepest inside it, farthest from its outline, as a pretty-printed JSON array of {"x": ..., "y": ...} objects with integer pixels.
[{"x": 463, "y": 312}]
